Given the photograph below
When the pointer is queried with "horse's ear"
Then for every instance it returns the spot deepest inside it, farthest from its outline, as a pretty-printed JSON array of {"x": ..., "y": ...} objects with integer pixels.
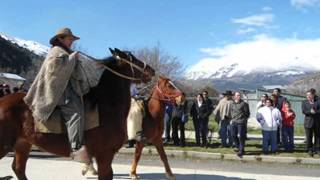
[
  {"x": 162, "y": 77},
  {"x": 112, "y": 51},
  {"x": 117, "y": 50}
]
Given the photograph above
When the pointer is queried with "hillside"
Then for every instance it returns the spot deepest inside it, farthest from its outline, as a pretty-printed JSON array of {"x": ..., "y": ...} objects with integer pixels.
[{"x": 18, "y": 60}]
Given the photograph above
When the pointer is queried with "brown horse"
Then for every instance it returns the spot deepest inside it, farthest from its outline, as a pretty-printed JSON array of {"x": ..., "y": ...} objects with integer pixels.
[
  {"x": 164, "y": 92},
  {"x": 112, "y": 95}
]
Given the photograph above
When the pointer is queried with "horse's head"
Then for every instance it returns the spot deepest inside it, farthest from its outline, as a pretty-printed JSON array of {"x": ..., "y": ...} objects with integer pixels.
[
  {"x": 141, "y": 72},
  {"x": 167, "y": 90}
]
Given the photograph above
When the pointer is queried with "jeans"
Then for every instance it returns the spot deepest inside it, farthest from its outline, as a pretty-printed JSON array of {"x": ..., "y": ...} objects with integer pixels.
[
  {"x": 225, "y": 133},
  {"x": 167, "y": 126},
  {"x": 288, "y": 138},
  {"x": 269, "y": 138},
  {"x": 239, "y": 135}
]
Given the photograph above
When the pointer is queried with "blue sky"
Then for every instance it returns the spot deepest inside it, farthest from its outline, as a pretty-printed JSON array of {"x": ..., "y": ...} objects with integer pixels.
[{"x": 186, "y": 29}]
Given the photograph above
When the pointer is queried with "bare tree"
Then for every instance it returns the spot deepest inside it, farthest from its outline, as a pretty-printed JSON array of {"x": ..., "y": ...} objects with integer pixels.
[{"x": 163, "y": 63}]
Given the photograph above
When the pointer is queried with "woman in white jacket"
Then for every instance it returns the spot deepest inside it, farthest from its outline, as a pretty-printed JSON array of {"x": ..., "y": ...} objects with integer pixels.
[{"x": 269, "y": 119}]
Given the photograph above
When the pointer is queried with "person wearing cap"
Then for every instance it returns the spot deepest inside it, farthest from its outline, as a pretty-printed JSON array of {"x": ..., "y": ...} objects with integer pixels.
[
  {"x": 222, "y": 116},
  {"x": 54, "y": 88}
]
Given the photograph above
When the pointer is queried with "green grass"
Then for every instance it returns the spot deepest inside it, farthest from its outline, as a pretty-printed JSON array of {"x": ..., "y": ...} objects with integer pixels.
[
  {"x": 298, "y": 128},
  {"x": 253, "y": 147}
]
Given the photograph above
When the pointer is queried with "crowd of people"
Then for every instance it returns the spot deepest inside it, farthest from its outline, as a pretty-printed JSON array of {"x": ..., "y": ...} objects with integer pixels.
[
  {"x": 274, "y": 114},
  {"x": 5, "y": 89}
]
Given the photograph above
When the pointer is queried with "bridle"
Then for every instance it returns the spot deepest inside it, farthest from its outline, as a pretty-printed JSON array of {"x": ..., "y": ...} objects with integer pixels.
[
  {"x": 132, "y": 66},
  {"x": 162, "y": 95}
]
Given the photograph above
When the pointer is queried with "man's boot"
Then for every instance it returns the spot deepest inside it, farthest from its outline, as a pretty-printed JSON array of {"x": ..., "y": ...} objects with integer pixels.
[
  {"x": 81, "y": 155},
  {"x": 141, "y": 137},
  {"x": 131, "y": 144}
]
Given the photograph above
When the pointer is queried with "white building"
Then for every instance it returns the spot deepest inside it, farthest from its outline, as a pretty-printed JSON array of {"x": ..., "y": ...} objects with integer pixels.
[{"x": 12, "y": 80}]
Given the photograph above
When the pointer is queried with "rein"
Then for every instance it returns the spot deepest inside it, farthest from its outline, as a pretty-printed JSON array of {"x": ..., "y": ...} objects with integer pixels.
[
  {"x": 121, "y": 75},
  {"x": 126, "y": 61}
]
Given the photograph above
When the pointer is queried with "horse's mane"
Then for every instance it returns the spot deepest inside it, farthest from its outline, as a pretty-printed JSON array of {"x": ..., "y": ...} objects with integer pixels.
[
  {"x": 93, "y": 94},
  {"x": 104, "y": 83}
]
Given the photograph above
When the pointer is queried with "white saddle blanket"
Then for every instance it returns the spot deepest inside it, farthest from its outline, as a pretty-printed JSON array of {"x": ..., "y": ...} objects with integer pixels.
[{"x": 134, "y": 120}]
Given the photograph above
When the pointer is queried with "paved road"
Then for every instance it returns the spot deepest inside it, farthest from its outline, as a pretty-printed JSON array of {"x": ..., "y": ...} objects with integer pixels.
[{"x": 51, "y": 168}]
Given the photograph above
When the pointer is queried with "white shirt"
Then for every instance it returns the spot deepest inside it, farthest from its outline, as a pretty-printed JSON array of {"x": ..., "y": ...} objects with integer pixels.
[{"x": 269, "y": 118}]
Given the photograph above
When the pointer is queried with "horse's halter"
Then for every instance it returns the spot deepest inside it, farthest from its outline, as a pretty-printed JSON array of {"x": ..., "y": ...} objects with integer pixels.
[
  {"x": 132, "y": 65},
  {"x": 163, "y": 96}
]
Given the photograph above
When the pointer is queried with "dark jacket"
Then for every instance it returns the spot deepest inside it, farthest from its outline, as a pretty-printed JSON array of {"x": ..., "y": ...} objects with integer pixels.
[
  {"x": 311, "y": 119},
  {"x": 278, "y": 102},
  {"x": 201, "y": 112},
  {"x": 209, "y": 103},
  {"x": 180, "y": 110},
  {"x": 240, "y": 112}
]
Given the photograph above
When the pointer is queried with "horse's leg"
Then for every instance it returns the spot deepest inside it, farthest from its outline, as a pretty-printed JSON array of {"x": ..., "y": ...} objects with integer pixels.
[
  {"x": 137, "y": 155},
  {"x": 104, "y": 160},
  {"x": 163, "y": 156},
  {"x": 22, "y": 150}
]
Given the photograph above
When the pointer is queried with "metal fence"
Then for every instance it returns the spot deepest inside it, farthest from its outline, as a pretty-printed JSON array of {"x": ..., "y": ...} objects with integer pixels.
[{"x": 252, "y": 98}]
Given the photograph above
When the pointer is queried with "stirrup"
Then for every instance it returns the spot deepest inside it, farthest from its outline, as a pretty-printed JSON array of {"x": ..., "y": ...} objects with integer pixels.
[{"x": 141, "y": 137}]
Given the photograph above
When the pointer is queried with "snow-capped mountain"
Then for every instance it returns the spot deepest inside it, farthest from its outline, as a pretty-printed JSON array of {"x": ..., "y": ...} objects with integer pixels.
[
  {"x": 33, "y": 46},
  {"x": 216, "y": 70},
  {"x": 251, "y": 75},
  {"x": 258, "y": 60}
]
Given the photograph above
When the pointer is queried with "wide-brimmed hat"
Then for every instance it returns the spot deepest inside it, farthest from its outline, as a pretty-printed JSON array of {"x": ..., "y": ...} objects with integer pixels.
[
  {"x": 227, "y": 93},
  {"x": 62, "y": 33}
]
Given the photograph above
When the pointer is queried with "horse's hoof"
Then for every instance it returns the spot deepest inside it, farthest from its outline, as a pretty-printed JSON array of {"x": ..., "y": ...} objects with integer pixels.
[
  {"x": 89, "y": 168},
  {"x": 170, "y": 177},
  {"x": 93, "y": 171},
  {"x": 134, "y": 176},
  {"x": 84, "y": 170}
]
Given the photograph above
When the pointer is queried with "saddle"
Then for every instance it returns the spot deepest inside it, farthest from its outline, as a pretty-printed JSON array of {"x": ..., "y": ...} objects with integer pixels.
[{"x": 55, "y": 124}]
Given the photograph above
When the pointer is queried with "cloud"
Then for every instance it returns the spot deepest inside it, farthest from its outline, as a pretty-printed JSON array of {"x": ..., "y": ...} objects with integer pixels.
[
  {"x": 245, "y": 31},
  {"x": 255, "y": 20},
  {"x": 304, "y": 3},
  {"x": 262, "y": 53},
  {"x": 266, "y": 9}
]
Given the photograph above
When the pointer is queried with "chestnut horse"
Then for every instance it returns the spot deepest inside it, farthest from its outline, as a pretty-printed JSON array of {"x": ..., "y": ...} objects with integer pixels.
[
  {"x": 164, "y": 92},
  {"x": 112, "y": 96}
]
